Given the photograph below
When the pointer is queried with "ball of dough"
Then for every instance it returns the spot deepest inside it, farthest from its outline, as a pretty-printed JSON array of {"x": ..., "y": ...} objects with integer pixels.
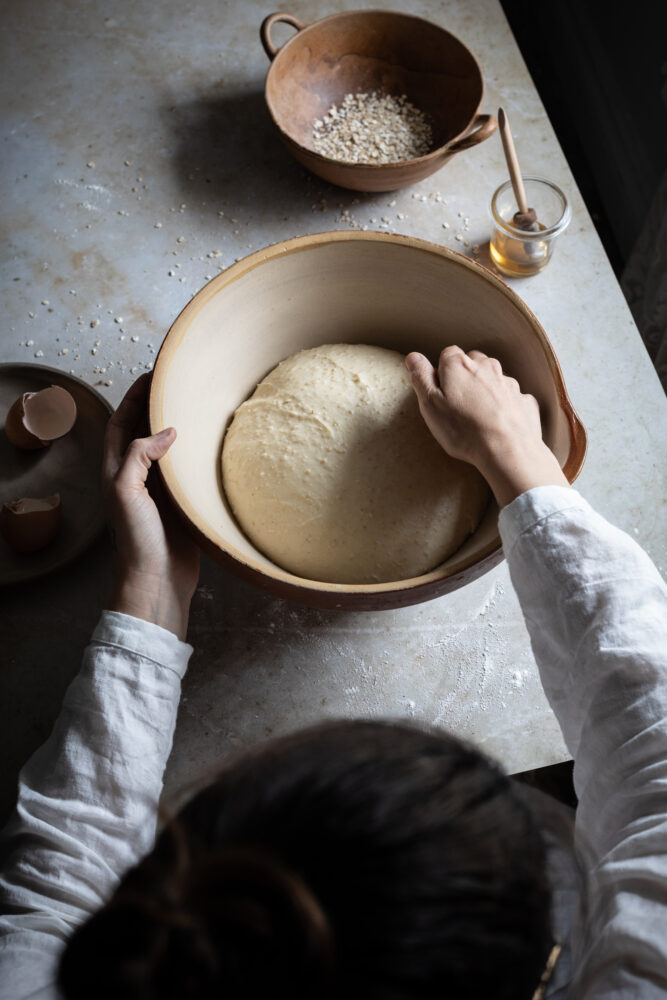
[{"x": 332, "y": 473}]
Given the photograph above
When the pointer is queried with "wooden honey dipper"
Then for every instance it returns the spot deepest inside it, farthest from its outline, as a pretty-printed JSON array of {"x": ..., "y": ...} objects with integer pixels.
[{"x": 525, "y": 218}]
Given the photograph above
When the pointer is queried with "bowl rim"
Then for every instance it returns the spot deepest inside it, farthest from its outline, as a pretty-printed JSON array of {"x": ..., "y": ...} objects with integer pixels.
[
  {"x": 436, "y": 580},
  {"x": 434, "y": 154},
  {"x": 555, "y": 229}
]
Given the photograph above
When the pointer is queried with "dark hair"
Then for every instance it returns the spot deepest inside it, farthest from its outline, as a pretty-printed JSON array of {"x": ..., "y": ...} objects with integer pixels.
[{"x": 353, "y": 860}]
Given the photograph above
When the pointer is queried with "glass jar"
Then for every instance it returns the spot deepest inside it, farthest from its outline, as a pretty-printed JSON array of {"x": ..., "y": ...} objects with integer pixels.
[{"x": 519, "y": 252}]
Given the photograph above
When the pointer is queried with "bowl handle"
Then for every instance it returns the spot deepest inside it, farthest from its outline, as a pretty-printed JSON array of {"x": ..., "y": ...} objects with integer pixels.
[
  {"x": 482, "y": 127},
  {"x": 265, "y": 31},
  {"x": 578, "y": 445}
]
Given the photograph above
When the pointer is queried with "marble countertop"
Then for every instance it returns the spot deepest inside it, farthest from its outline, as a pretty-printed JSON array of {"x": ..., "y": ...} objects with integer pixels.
[{"x": 138, "y": 160}]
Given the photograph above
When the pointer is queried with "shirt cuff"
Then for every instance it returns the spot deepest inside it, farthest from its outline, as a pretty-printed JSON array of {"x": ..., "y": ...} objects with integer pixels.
[
  {"x": 534, "y": 506},
  {"x": 143, "y": 639}
]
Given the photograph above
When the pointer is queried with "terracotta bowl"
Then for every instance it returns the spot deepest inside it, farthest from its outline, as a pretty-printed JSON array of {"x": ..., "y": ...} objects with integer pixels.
[
  {"x": 374, "y": 50},
  {"x": 375, "y": 288}
]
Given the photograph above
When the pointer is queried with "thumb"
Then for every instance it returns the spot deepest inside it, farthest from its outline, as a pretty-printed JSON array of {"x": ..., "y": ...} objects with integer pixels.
[
  {"x": 141, "y": 454},
  {"x": 423, "y": 375},
  {"x": 159, "y": 444}
]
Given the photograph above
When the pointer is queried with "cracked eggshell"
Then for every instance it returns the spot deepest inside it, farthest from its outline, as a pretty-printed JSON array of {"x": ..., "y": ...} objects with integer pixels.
[
  {"x": 28, "y": 525},
  {"x": 37, "y": 418}
]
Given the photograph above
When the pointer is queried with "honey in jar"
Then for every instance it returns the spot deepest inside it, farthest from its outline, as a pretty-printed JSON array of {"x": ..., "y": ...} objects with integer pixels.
[{"x": 517, "y": 252}]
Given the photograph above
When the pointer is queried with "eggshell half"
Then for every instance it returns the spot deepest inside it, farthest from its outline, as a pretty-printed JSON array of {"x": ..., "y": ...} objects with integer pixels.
[
  {"x": 37, "y": 418},
  {"x": 29, "y": 524},
  {"x": 16, "y": 430}
]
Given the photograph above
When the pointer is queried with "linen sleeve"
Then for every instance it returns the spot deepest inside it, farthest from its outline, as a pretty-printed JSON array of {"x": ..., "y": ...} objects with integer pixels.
[
  {"x": 596, "y": 610},
  {"x": 87, "y": 799}
]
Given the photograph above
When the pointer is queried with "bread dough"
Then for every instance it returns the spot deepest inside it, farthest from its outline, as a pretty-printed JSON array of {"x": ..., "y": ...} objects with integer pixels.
[{"x": 332, "y": 473}]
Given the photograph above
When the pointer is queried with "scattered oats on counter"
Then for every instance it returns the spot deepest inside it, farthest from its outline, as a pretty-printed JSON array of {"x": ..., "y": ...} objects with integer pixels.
[{"x": 373, "y": 128}]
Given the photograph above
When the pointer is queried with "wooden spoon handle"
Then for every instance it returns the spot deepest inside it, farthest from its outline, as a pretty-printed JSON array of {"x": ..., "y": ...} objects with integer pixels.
[{"x": 512, "y": 161}]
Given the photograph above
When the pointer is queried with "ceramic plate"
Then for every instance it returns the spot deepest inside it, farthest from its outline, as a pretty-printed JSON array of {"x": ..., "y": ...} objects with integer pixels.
[{"x": 69, "y": 466}]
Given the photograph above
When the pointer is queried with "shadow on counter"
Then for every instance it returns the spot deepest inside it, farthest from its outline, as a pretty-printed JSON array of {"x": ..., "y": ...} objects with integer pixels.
[{"x": 228, "y": 153}]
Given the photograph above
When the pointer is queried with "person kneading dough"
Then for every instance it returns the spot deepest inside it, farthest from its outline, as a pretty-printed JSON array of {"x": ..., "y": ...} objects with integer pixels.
[{"x": 332, "y": 473}]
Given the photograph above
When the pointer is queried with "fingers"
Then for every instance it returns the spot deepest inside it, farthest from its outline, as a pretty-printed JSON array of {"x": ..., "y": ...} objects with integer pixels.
[
  {"x": 141, "y": 453},
  {"x": 491, "y": 363},
  {"x": 451, "y": 351},
  {"x": 530, "y": 402},
  {"x": 426, "y": 380},
  {"x": 422, "y": 374},
  {"x": 122, "y": 425}
]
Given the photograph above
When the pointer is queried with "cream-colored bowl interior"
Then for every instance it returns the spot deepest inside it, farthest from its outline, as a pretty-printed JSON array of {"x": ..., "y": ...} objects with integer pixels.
[{"x": 393, "y": 291}]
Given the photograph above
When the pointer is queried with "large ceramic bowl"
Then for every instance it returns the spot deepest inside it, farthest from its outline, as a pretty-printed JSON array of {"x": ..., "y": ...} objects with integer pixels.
[
  {"x": 375, "y": 288},
  {"x": 366, "y": 51}
]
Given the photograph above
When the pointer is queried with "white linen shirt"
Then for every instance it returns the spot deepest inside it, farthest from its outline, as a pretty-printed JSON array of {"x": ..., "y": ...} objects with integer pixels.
[
  {"x": 596, "y": 611},
  {"x": 88, "y": 798}
]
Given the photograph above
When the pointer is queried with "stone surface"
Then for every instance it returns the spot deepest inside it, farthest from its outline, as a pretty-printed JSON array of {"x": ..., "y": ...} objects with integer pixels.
[{"x": 138, "y": 159}]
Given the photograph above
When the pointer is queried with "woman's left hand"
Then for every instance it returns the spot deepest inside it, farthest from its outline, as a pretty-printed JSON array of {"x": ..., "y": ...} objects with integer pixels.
[{"x": 156, "y": 564}]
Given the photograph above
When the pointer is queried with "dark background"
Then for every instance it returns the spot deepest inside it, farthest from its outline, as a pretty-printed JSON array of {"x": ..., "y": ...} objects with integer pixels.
[{"x": 601, "y": 71}]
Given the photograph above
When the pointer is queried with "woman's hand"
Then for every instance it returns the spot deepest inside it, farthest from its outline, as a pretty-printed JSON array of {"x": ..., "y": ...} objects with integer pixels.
[
  {"x": 156, "y": 565},
  {"x": 481, "y": 416}
]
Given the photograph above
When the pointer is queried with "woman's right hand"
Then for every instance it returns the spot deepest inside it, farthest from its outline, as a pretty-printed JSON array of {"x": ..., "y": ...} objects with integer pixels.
[{"x": 480, "y": 415}]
